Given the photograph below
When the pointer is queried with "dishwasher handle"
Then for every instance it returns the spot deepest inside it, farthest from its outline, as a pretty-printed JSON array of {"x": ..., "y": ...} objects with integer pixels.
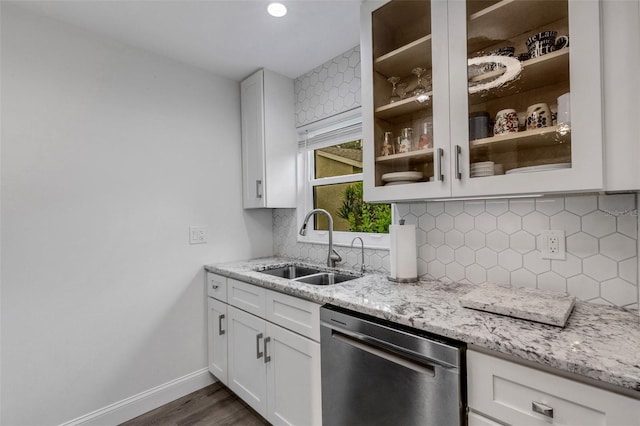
[{"x": 381, "y": 352}]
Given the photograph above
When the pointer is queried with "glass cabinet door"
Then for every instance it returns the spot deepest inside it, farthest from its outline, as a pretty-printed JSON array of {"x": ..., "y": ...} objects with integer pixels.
[
  {"x": 521, "y": 99},
  {"x": 406, "y": 152}
]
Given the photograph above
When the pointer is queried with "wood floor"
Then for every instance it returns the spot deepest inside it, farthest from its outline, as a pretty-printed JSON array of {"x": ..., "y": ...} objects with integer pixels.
[{"x": 213, "y": 405}]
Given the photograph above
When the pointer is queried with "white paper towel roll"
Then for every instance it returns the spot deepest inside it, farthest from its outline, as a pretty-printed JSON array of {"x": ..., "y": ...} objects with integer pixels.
[{"x": 404, "y": 266}]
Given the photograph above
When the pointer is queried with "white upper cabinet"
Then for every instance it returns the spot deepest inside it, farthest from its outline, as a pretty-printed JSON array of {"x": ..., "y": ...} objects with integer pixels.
[
  {"x": 268, "y": 141},
  {"x": 621, "y": 33},
  {"x": 525, "y": 117}
]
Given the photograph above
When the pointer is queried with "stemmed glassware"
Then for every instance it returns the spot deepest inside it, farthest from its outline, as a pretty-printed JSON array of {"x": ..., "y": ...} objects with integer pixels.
[
  {"x": 394, "y": 95},
  {"x": 420, "y": 92},
  {"x": 402, "y": 90}
]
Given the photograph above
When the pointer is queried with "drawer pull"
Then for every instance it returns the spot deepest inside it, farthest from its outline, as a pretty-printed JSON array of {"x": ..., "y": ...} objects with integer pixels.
[
  {"x": 214, "y": 286},
  {"x": 258, "y": 353},
  {"x": 543, "y": 409}
]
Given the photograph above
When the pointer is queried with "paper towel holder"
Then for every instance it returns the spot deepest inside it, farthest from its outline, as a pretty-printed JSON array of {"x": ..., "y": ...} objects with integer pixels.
[{"x": 402, "y": 280}]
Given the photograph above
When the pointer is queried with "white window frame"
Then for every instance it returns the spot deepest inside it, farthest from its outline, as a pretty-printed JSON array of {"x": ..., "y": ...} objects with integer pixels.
[{"x": 308, "y": 142}]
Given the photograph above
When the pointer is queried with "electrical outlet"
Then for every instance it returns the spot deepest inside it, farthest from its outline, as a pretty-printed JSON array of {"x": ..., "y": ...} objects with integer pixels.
[
  {"x": 197, "y": 235},
  {"x": 553, "y": 245}
]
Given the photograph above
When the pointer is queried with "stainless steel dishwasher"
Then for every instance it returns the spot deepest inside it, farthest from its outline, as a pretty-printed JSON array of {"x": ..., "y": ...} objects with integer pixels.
[{"x": 378, "y": 373}]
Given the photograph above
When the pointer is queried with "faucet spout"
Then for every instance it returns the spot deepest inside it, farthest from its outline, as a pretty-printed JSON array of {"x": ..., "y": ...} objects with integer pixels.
[
  {"x": 332, "y": 257},
  {"x": 362, "y": 269}
]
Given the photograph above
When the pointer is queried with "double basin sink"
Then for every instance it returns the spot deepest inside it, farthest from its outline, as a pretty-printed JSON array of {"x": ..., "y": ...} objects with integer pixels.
[{"x": 307, "y": 274}]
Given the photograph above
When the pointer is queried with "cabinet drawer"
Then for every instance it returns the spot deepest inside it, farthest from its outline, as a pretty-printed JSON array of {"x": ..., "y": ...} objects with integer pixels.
[
  {"x": 217, "y": 286},
  {"x": 475, "y": 419},
  {"x": 299, "y": 315},
  {"x": 248, "y": 297},
  {"x": 519, "y": 395}
]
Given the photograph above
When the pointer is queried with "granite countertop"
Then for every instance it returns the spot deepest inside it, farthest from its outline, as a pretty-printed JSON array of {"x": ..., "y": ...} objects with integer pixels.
[{"x": 598, "y": 342}]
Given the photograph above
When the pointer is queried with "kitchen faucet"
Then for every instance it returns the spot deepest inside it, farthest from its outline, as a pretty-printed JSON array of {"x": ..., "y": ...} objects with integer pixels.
[
  {"x": 333, "y": 257},
  {"x": 361, "y": 243}
]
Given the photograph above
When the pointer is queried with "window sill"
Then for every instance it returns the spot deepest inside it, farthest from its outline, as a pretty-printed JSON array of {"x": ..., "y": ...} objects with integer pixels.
[{"x": 344, "y": 239}]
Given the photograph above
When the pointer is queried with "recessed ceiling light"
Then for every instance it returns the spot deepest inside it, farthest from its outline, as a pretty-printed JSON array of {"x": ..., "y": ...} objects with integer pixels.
[{"x": 277, "y": 9}]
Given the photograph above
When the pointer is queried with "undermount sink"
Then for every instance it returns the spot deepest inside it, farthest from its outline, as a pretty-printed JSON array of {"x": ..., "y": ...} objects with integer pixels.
[
  {"x": 291, "y": 271},
  {"x": 325, "y": 278},
  {"x": 308, "y": 275}
]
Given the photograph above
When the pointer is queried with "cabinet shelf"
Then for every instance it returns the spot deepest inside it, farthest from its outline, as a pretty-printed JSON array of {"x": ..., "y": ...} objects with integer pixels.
[
  {"x": 545, "y": 136},
  {"x": 402, "y": 107},
  {"x": 537, "y": 72},
  {"x": 420, "y": 156},
  {"x": 508, "y": 18},
  {"x": 401, "y": 61}
]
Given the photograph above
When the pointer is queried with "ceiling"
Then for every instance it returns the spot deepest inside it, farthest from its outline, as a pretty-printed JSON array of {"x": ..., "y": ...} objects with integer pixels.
[{"x": 231, "y": 38}]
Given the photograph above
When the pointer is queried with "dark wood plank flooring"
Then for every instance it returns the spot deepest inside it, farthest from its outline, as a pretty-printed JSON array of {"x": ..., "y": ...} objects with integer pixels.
[{"x": 212, "y": 405}]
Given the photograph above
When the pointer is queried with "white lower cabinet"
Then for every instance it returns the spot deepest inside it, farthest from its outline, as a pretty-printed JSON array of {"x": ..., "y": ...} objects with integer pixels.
[
  {"x": 514, "y": 394},
  {"x": 271, "y": 346},
  {"x": 218, "y": 339},
  {"x": 247, "y": 369},
  {"x": 293, "y": 378}
]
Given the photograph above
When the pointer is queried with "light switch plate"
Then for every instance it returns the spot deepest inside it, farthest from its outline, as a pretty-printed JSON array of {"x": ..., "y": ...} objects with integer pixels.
[
  {"x": 553, "y": 245},
  {"x": 197, "y": 235}
]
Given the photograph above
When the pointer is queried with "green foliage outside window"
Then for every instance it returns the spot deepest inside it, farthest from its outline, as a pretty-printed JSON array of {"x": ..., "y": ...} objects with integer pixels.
[{"x": 362, "y": 216}]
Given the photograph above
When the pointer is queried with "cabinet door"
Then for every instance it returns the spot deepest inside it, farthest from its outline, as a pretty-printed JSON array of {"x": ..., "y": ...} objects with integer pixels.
[
  {"x": 253, "y": 174},
  {"x": 293, "y": 378},
  {"x": 218, "y": 339},
  {"x": 512, "y": 64},
  {"x": 406, "y": 130},
  {"x": 247, "y": 369}
]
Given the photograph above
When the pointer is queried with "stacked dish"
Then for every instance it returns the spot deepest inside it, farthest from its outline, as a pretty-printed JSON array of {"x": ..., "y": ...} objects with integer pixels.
[
  {"x": 542, "y": 168},
  {"x": 481, "y": 169},
  {"x": 401, "y": 178}
]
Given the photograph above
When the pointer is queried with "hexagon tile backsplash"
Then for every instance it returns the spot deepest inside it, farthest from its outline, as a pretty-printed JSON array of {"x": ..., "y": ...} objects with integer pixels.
[
  {"x": 499, "y": 241},
  {"x": 329, "y": 89}
]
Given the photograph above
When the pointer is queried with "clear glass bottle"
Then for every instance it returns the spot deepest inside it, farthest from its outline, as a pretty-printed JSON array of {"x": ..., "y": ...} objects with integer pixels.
[
  {"x": 426, "y": 136},
  {"x": 406, "y": 139}
]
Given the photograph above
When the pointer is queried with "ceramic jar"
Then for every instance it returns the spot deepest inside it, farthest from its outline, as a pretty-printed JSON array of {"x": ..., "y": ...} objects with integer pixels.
[
  {"x": 506, "y": 122},
  {"x": 538, "y": 115}
]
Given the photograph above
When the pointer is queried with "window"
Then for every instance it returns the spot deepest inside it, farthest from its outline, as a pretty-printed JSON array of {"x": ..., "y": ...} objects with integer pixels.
[{"x": 330, "y": 178}]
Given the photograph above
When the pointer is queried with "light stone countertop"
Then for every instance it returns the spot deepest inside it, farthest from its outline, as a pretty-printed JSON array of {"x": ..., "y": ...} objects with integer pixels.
[{"x": 599, "y": 342}]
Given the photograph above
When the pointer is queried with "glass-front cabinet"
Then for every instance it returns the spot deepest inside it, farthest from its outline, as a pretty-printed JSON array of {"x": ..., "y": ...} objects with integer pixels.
[{"x": 480, "y": 98}]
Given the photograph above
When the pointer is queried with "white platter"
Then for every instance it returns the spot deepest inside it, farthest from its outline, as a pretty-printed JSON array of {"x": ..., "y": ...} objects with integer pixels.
[
  {"x": 482, "y": 163},
  {"x": 402, "y": 176},
  {"x": 399, "y": 182},
  {"x": 543, "y": 168}
]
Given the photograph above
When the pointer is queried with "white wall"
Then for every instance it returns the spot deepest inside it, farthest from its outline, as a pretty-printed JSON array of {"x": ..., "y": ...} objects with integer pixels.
[{"x": 108, "y": 155}]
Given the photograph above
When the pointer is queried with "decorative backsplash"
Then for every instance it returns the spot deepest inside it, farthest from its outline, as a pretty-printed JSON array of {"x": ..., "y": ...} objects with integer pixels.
[
  {"x": 329, "y": 89},
  {"x": 498, "y": 241},
  {"x": 485, "y": 240}
]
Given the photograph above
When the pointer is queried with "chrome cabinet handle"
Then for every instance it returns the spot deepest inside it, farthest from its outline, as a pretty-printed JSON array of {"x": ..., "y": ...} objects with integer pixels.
[
  {"x": 258, "y": 185},
  {"x": 258, "y": 353},
  {"x": 267, "y": 358},
  {"x": 458, "y": 172},
  {"x": 440, "y": 155},
  {"x": 543, "y": 409},
  {"x": 220, "y": 330},
  {"x": 214, "y": 286}
]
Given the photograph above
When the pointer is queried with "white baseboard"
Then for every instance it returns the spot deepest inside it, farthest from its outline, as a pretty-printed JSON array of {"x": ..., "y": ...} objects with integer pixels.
[{"x": 143, "y": 402}]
